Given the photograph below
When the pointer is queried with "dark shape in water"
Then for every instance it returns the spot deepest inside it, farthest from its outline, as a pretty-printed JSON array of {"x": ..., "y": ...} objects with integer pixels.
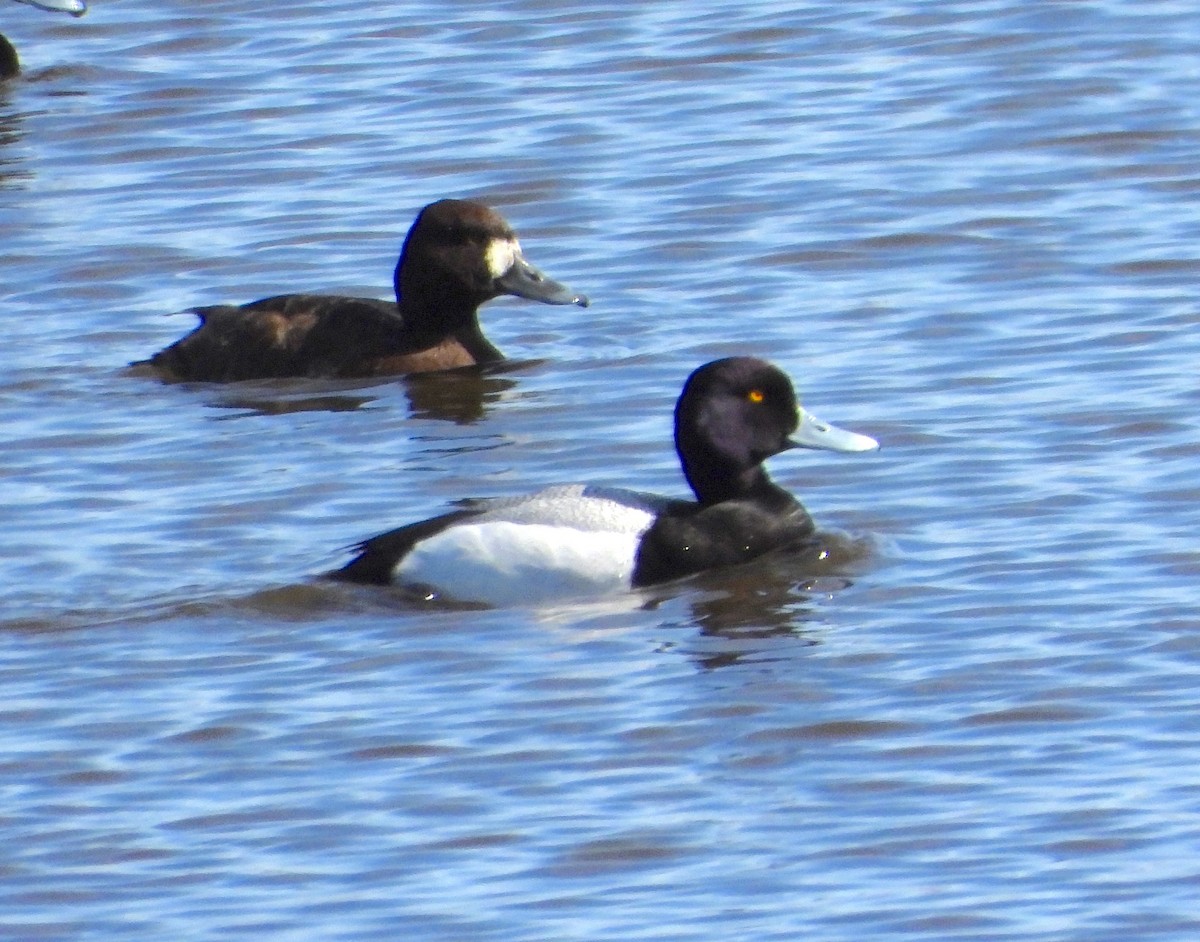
[
  {"x": 457, "y": 255},
  {"x": 10, "y": 65},
  {"x": 732, "y": 415}
]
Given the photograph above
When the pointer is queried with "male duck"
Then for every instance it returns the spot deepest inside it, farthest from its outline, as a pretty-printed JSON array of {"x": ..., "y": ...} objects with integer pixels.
[
  {"x": 457, "y": 255},
  {"x": 10, "y": 65},
  {"x": 732, "y": 415}
]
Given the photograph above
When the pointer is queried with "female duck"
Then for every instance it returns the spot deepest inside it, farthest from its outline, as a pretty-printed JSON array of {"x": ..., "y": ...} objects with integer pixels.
[
  {"x": 732, "y": 415},
  {"x": 10, "y": 65},
  {"x": 457, "y": 255}
]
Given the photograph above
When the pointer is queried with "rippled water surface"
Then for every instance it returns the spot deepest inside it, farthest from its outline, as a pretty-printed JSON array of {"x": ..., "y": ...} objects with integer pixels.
[{"x": 968, "y": 229}]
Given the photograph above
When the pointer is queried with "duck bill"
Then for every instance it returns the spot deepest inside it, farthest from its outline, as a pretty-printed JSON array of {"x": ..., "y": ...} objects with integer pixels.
[
  {"x": 813, "y": 433},
  {"x": 74, "y": 7},
  {"x": 526, "y": 281}
]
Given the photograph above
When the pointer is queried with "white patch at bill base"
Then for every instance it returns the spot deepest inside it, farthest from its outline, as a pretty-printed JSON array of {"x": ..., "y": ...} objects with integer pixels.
[{"x": 500, "y": 256}]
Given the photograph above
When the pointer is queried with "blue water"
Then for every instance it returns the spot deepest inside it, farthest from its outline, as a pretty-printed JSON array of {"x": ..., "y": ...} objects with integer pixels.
[{"x": 967, "y": 229}]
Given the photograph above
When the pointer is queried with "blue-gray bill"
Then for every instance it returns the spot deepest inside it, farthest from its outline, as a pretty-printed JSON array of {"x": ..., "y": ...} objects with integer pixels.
[
  {"x": 527, "y": 281},
  {"x": 813, "y": 433}
]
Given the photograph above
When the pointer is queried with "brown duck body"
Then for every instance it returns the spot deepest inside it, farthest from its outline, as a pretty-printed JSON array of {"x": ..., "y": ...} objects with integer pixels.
[
  {"x": 313, "y": 335},
  {"x": 458, "y": 255}
]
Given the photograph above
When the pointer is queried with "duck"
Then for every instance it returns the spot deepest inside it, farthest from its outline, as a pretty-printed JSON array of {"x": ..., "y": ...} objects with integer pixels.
[
  {"x": 10, "y": 65},
  {"x": 457, "y": 255},
  {"x": 580, "y": 540}
]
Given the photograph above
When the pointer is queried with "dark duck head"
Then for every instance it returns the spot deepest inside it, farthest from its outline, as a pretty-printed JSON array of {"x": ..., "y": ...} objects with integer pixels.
[
  {"x": 734, "y": 414},
  {"x": 460, "y": 254}
]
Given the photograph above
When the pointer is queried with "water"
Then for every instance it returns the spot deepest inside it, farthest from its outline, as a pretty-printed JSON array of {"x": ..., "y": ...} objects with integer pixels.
[{"x": 967, "y": 229}]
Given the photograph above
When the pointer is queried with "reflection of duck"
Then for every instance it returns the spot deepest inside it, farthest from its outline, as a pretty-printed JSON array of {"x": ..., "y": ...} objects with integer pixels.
[
  {"x": 457, "y": 255},
  {"x": 732, "y": 415},
  {"x": 743, "y": 611},
  {"x": 458, "y": 396},
  {"x": 9, "y": 63}
]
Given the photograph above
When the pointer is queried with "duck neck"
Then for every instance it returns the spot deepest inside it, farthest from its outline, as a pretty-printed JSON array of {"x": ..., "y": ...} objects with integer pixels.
[
  {"x": 714, "y": 484},
  {"x": 433, "y": 312}
]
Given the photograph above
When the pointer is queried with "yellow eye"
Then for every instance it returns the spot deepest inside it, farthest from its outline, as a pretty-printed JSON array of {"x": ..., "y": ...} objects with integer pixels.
[{"x": 755, "y": 395}]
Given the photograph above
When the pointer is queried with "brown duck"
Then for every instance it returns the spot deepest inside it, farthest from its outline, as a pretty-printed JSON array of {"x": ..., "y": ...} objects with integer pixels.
[{"x": 457, "y": 255}]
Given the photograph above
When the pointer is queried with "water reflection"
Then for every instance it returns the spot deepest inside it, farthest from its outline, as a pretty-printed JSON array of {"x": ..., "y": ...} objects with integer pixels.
[
  {"x": 275, "y": 396},
  {"x": 739, "y": 609},
  {"x": 459, "y": 396},
  {"x": 10, "y": 134},
  {"x": 749, "y": 623},
  {"x": 290, "y": 404}
]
